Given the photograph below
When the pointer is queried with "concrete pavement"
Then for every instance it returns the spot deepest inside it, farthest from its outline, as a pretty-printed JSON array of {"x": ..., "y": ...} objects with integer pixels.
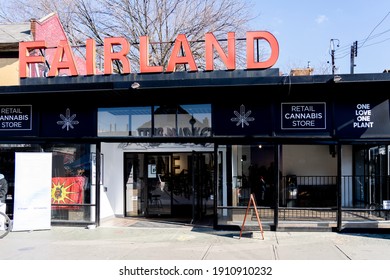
[{"x": 186, "y": 242}]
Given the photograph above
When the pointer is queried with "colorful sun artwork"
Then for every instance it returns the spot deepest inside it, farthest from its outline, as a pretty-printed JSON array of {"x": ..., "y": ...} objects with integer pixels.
[{"x": 67, "y": 190}]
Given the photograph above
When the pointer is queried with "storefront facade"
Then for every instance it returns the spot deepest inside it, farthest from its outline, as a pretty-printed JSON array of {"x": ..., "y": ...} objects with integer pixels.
[{"x": 191, "y": 146}]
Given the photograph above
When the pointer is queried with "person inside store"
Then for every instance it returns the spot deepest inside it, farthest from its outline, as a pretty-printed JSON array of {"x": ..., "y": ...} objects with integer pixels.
[
  {"x": 259, "y": 190},
  {"x": 262, "y": 189},
  {"x": 3, "y": 188},
  {"x": 81, "y": 174}
]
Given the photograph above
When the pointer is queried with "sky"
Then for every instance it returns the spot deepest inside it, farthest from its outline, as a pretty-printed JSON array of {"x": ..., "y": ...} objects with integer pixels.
[{"x": 308, "y": 29}]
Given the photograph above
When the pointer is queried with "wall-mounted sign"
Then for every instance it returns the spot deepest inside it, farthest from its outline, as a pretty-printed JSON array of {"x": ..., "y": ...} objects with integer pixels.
[
  {"x": 363, "y": 119},
  {"x": 68, "y": 121},
  {"x": 363, "y": 116},
  {"x": 15, "y": 117},
  {"x": 242, "y": 119},
  {"x": 303, "y": 115}
]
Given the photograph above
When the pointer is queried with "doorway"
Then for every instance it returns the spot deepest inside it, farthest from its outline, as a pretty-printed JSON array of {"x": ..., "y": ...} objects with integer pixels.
[{"x": 169, "y": 185}]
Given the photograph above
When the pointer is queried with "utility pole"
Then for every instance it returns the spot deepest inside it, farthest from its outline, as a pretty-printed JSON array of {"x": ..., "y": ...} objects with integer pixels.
[
  {"x": 353, "y": 55},
  {"x": 332, "y": 52}
]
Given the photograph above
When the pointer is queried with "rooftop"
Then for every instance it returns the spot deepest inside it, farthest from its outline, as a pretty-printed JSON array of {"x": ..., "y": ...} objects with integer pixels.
[{"x": 12, "y": 34}]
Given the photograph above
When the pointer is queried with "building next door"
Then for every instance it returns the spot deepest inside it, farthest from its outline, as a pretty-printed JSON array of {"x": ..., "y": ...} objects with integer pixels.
[{"x": 171, "y": 185}]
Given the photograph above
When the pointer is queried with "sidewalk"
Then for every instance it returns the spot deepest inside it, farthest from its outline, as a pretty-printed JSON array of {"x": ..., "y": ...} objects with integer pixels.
[{"x": 157, "y": 241}]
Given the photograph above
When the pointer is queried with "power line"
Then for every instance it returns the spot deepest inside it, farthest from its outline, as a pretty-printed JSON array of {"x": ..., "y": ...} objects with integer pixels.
[
  {"x": 374, "y": 29},
  {"x": 352, "y": 49}
]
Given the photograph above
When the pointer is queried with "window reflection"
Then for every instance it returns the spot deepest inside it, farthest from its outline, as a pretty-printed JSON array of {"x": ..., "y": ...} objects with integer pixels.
[
  {"x": 183, "y": 120},
  {"x": 124, "y": 121},
  {"x": 167, "y": 121},
  {"x": 72, "y": 197}
]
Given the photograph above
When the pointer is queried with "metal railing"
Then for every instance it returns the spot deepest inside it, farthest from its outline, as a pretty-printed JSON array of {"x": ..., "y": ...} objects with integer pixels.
[{"x": 365, "y": 201}]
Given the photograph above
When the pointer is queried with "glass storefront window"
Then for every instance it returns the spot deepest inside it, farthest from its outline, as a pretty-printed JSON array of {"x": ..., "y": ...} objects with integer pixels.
[
  {"x": 200, "y": 122},
  {"x": 72, "y": 197},
  {"x": 125, "y": 121},
  {"x": 252, "y": 172},
  {"x": 183, "y": 120},
  {"x": 167, "y": 121}
]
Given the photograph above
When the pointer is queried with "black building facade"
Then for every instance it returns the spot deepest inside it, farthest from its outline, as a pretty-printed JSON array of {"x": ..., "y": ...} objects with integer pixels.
[{"x": 193, "y": 146}]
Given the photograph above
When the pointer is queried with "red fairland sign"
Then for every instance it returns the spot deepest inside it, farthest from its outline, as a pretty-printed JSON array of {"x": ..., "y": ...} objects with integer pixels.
[{"x": 63, "y": 50}]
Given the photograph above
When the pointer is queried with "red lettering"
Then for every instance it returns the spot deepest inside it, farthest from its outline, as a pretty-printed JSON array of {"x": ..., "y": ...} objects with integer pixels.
[
  {"x": 144, "y": 57},
  {"x": 90, "y": 58},
  {"x": 63, "y": 50},
  {"x": 229, "y": 59},
  {"x": 25, "y": 59},
  {"x": 181, "y": 54},
  {"x": 250, "y": 49},
  {"x": 181, "y": 43},
  {"x": 110, "y": 55}
]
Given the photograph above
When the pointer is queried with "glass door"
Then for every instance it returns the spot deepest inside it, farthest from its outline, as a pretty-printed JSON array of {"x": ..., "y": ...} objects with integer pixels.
[
  {"x": 135, "y": 202},
  {"x": 192, "y": 185},
  {"x": 157, "y": 171},
  {"x": 175, "y": 185}
]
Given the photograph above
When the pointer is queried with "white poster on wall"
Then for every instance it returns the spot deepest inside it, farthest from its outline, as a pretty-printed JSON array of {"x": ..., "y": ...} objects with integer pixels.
[{"x": 32, "y": 200}]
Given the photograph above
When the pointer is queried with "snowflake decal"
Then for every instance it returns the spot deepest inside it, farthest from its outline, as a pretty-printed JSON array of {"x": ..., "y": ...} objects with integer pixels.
[
  {"x": 67, "y": 120},
  {"x": 242, "y": 117}
]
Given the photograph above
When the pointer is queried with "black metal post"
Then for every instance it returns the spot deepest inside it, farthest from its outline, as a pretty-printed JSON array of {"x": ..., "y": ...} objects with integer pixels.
[
  {"x": 339, "y": 198},
  {"x": 97, "y": 184},
  {"x": 216, "y": 174},
  {"x": 277, "y": 184},
  {"x": 193, "y": 186}
]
